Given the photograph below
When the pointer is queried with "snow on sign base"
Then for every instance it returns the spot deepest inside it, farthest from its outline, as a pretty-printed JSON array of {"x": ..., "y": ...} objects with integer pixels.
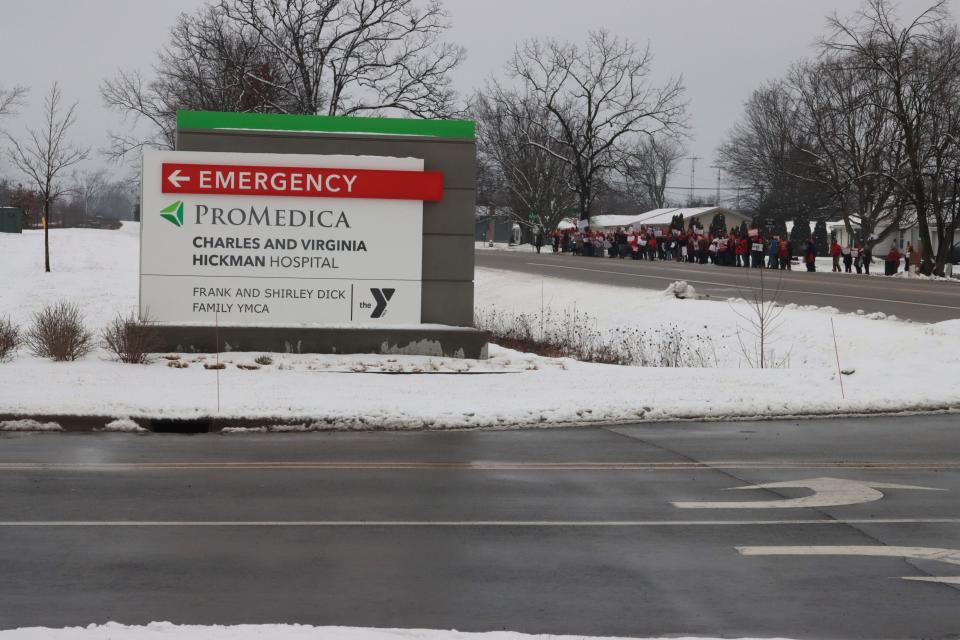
[{"x": 282, "y": 239}]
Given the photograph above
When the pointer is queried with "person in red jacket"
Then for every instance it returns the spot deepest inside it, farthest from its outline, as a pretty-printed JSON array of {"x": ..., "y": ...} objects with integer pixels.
[
  {"x": 783, "y": 253},
  {"x": 740, "y": 249},
  {"x": 893, "y": 260},
  {"x": 835, "y": 252}
]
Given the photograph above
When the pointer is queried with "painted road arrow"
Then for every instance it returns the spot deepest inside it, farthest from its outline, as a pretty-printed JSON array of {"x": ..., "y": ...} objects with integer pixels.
[
  {"x": 827, "y": 492},
  {"x": 176, "y": 179},
  {"x": 950, "y": 556}
]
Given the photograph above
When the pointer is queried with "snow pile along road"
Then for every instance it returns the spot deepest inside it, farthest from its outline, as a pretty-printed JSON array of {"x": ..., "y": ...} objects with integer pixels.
[{"x": 896, "y": 365}]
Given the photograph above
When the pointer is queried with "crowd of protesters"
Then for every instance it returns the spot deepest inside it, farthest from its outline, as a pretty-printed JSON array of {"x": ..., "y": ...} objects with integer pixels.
[{"x": 733, "y": 249}]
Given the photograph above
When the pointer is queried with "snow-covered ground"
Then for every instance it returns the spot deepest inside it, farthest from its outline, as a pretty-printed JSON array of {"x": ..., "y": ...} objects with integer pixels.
[
  {"x": 168, "y": 631},
  {"x": 896, "y": 365}
]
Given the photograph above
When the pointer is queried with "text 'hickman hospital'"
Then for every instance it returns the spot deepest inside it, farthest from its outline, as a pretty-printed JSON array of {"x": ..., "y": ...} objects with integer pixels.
[{"x": 284, "y": 262}]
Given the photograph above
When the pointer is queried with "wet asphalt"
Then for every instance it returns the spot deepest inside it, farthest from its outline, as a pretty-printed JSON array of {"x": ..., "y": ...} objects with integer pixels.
[{"x": 567, "y": 531}]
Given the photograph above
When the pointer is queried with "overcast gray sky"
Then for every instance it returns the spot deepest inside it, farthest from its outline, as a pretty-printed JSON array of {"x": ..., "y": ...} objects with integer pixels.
[{"x": 723, "y": 49}]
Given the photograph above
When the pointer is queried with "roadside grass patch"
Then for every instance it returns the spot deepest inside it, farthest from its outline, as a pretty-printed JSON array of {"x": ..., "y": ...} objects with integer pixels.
[{"x": 576, "y": 335}]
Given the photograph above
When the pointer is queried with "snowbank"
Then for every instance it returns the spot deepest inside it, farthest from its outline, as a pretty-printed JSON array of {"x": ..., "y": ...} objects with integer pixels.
[
  {"x": 28, "y": 424},
  {"x": 168, "y": 631},
  {"x": 898, "y": 366}
]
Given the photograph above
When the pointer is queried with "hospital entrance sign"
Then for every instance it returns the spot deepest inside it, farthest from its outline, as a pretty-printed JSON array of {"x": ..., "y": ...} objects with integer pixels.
[{"x": 282, "y": 239}]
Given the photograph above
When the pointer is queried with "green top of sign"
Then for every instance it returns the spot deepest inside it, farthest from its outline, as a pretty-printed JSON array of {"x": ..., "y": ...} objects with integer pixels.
[{"x": 325, "y": 124}]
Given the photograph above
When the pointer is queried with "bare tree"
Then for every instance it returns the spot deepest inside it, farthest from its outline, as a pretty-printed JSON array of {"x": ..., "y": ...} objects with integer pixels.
[
  {"x": 763, "y": 322},
  {"x": 760, "y": 152},
  {"x": 44, "y": 154},
  {"x": 534, "y": 181},
  {"x": 346, "y": 57},
  {"x": 917, "y": 62},
  {"x": 601, "y": 95},
  {"x": 211, "y": 64},
  {"x": 648, "y": 164},
  {"x": 853, "y": 145},
  {"x": 11, "y": 99},
  {"x": 87, "y": 187}
]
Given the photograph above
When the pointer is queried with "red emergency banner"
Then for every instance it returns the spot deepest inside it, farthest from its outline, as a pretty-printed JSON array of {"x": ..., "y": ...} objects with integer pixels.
[{"x": 301, "y": 182}]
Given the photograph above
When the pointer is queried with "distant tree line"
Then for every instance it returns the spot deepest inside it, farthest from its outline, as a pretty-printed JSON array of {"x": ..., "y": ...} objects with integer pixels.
[{"x": 867, "y": 130}]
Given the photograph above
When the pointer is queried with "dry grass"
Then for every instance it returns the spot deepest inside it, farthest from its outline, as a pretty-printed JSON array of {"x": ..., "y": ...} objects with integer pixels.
[{"x": 576, "y": 335}]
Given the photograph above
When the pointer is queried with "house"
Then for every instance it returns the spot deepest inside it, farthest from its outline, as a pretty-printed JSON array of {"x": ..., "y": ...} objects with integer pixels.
[
  {"x": 909, "y": 231},
  {"x": 663, "y": 218}
]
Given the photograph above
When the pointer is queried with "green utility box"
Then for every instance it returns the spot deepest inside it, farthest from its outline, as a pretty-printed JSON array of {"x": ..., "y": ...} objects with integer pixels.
[{"x": 11, "y": 220}]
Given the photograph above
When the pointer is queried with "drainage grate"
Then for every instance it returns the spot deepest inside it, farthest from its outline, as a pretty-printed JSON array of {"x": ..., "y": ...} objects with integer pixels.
[{"x": 201, "y": 425}]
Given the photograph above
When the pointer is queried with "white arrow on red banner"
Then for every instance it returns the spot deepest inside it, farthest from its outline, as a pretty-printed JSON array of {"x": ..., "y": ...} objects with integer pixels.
[{"x": 310, "y": 182}]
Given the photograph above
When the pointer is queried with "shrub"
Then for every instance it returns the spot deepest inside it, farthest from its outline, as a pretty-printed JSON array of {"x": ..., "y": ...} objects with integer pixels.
[
  {"x": 58, "y": 333},
  {"x": 264, "y": 360},
  {"x": 10, "y": 338},
  {"x": 131, "y": 339}
]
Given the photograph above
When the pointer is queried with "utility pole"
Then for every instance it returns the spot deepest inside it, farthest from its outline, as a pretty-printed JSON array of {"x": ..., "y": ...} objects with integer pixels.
[
  {"x": 693, "y": 172},
  {"x": 717, "y": 167}
]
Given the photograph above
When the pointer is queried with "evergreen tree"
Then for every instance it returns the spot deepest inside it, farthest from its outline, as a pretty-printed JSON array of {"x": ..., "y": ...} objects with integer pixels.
[
  {"x": 820, "y": 238},
  {"x": 744, "y": 229},
  {"x": 800, "y": 234},
  {"x": 677, "y": 222},
  {"x": 718, "y": 227},
  {"x": 780, "y": 227}
]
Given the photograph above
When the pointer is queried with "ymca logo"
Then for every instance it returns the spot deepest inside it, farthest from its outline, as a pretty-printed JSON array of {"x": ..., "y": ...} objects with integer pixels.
[
  {"x": 382, "y": 296},
  {"x": 173, "y": 213}
]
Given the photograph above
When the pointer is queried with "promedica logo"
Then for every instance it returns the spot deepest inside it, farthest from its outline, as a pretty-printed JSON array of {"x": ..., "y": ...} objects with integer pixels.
[
  {"x": 382, "y": 297},
  {"x": 174, "y": 213}
]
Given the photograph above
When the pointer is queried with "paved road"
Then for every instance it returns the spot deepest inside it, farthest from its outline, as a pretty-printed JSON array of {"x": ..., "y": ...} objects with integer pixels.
[
  {"x": 563, "y": 531},
  {"x": 920, "y": 300}
]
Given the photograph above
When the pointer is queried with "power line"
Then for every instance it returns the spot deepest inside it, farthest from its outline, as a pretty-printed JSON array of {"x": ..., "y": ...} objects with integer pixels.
[
  {"x": 676, "y": 188},
  {"x": 717, "y": 167}
]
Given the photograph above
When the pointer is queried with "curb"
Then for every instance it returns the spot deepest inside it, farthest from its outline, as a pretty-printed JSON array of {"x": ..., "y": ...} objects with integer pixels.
[{"x": 211, "y": 424}]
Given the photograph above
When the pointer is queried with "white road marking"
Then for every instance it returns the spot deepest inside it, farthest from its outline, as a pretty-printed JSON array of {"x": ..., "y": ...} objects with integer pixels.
[
  {"x": 941, "y": 580},
  {"x": 727, "y": 285},
  {"x": 827, "y": 492},
  {"x": 950, "y": 556},
  {"x": 466, "y": 523}
]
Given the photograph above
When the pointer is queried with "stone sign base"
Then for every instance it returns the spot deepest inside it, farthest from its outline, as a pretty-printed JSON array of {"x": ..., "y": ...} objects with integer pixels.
[{"x": 450, "y": 342}]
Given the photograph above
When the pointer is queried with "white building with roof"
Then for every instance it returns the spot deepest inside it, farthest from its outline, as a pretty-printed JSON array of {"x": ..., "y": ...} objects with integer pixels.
[{"x": 663, "y": 218}]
